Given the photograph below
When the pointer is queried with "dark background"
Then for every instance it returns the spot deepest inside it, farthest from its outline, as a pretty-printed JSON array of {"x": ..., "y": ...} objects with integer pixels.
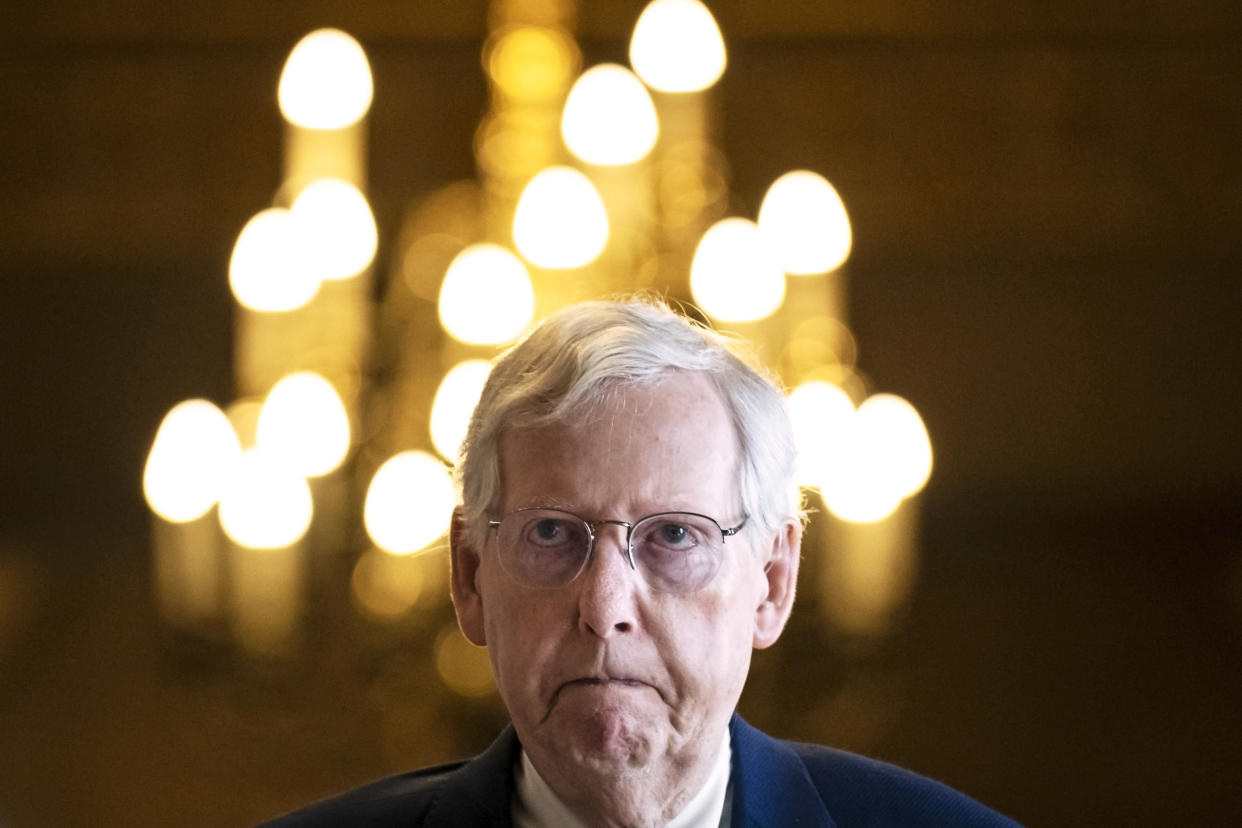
[{"x": 1047, "y": 207}]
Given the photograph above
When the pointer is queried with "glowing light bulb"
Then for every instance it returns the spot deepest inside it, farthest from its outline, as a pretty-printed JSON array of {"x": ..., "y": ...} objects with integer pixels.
[
  {"x": 884, "y": 458},
  {"x": 822, "y": 418},
  {"x": 265, "y": 505},
  {"x": 192, "y": 456},
  {"x": 903, "y": 448},
  {"x": 409, "y": 503},
  {"x": 454, "y": 402},
  {"x": 267, "y": 271},
  {"x": 854, "y": 488},
  {"x": 303, "y": 425},
  {"x": 486, "y": 297},
  {"x": 733, "y": 276},
  {"x": 326, "y": 82},
  {"x": 560, "y": 221},
  {"x": 677, "y": 47},
  {"x": 335, "y": 228},
  {"x": 609, "y": 118},
  {"x": 804, "y": 221}
]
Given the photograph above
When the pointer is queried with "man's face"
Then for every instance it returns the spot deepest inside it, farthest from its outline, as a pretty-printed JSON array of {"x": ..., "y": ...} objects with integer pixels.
[{"x": 605, "y": 676}]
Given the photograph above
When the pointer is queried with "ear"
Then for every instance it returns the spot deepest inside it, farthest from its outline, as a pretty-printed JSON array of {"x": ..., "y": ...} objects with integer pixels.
[
  {"x": 781, "y": 574},
  {"x": 464, "y": 581}
]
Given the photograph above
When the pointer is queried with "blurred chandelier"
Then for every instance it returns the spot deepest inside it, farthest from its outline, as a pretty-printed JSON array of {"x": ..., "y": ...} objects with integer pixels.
[{"x": 328, "y": 472}]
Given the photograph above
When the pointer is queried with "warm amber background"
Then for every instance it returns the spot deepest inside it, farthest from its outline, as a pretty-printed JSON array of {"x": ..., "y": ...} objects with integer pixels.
[{"x": 1047, "y": 202}]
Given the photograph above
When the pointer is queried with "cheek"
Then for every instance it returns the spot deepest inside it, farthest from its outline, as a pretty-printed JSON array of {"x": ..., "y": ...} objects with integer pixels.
[
  {"x": 712, "y": 643},
  {"x": 521, "y": 640}
]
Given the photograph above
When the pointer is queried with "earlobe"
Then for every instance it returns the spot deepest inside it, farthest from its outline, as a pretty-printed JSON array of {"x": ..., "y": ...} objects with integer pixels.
[
  {"x": 781, "y": 575},
  {"x": 463, "y": 580}
]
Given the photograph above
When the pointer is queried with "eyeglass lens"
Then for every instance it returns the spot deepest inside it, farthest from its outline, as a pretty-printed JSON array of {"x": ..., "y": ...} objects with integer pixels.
[{"x": 674, "y": 552}]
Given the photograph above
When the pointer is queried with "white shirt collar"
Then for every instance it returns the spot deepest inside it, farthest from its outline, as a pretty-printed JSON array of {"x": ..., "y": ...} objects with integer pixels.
[{"x": 535, "y": 805}]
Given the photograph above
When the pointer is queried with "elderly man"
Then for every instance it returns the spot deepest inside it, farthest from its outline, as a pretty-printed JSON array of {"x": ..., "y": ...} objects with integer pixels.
[{"x": 629, "y": 531}]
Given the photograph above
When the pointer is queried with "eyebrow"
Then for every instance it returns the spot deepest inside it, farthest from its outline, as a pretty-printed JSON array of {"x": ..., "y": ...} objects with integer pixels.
[{"x": 544, "y": 502}]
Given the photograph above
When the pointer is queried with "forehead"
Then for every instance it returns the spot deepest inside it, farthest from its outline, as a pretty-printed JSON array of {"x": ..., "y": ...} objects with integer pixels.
[{"x": 665, "y": 444}]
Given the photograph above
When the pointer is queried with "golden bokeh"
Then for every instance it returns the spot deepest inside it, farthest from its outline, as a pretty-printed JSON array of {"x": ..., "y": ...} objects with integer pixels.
[
  {"x": 486, "y": 297},
  {"x": 531, "y": 63},
  {"x": 268, "y": 271},
  {"x": 265, "y": 505},
  {"x": 464, "y": 667},
  {"x": 805, "y": 223},
  {"x": 192, "y": 457},
  {"x": 733, "y": 276},
  {"x": 677, "y": 46},
  {"x": 326, "y": 82},
  {"x": 609, "y": 119},
  {"x": 409, "y": 503},
  {"x": 453, "y": 404},
  {"x": 386, "y": 586},
  {"x": 822, "y": 417},
  {"x": 303, "y": 424},
  {"x": 560, "y": 220},
  {"x": 335, "y": 228}
]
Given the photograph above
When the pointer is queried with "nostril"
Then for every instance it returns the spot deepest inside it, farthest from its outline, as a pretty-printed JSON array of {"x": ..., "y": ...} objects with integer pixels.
[{"x": 622, "y": 626}]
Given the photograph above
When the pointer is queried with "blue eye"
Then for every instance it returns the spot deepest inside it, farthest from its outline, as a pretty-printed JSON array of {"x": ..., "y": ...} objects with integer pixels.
[
  {"x": 551, "y": 533},
  {"x": 673, "y": 533}
]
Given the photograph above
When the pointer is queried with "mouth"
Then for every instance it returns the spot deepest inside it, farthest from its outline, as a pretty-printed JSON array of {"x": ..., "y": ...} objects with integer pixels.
[
  {"x": 606, "y": 681},
  {"x": 594, "y": 682}
]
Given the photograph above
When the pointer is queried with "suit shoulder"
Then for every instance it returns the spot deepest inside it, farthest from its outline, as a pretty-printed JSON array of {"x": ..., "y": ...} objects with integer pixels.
[
  {"x": 863, "y": 791},
  {"x": 403, "y": 799}
]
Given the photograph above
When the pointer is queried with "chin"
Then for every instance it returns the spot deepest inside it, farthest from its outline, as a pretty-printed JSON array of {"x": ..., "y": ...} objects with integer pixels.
[{"x": 608, "y": 736}]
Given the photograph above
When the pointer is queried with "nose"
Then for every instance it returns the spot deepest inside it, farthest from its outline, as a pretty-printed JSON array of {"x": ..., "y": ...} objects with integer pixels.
[{"x": 606, "y": 600}]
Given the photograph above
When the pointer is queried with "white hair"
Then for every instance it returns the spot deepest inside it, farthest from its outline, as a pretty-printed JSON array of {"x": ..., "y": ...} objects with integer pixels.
[{"x": 570, "y": 362}]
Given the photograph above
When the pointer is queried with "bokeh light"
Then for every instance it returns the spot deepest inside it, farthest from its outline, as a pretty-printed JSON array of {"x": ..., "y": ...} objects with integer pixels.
[
  {"x": 191, "y": 460},
  {"x": 854, "y": 489},
  {"x": 733, "y": 276},
  {"x": 560, "y": 220},
  {"x": 326, "y": 82},
  {"x": 822, "y": 416},
  {"x": 303, "y": 424},
  {"x": 486, "y": 297},
  {"x": 805, "y": 223},
  {"x": 335, "y": 228},
  {"x": 454, "y": 402},
  {"x": 244, "y": 414},
  {"x": 387, "y": 586},
  {"x": 267, "y": 271},
  {"x": 905, "y": 450},
  {"x": 464, "y": 667},
  {"x": 677, "y": 46},
  {"x": 884, "y": 457},
  {"x": 409, "y": 502},
  {"x": 265, "y": 505},
  {"x": 532, "y": 63},
  {"x": 609, "y": 118}
]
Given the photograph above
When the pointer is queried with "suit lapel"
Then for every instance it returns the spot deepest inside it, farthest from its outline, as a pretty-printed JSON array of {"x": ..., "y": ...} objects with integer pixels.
[
  {"x": 480, "y": 792},
  {"x": 770, "y": 784},
  {"x": 771, "y": 787}
]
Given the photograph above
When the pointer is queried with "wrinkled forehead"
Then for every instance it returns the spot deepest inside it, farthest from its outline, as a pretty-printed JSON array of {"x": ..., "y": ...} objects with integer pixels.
[{"x": 672, "y": 437}]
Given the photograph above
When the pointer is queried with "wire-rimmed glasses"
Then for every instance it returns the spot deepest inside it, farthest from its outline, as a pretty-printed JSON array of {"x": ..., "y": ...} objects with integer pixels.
[{"x": 677, "y": 552}]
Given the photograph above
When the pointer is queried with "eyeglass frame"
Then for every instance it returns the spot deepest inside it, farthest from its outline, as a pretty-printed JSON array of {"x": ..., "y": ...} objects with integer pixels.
[{"x": 591, "y": 526}]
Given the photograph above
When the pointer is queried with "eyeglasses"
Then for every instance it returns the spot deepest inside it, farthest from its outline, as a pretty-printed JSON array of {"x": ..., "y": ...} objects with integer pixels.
[{"x": 677, "y": 552}]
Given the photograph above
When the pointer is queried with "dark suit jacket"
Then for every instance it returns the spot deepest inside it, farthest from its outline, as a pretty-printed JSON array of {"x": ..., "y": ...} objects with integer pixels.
[{"x": 775, "y": 783}]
